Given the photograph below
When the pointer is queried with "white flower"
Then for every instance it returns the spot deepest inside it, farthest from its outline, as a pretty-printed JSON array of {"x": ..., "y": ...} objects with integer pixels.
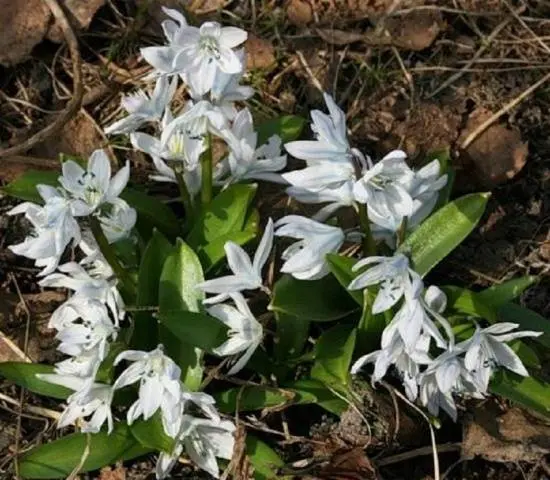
[
  {"x": 331, "y": 144},
  {"x": 89, "y": 399},
  {"x": 94, "y": 329},
  {"x": 248, "y": 161},
  {"x": 201, "y": 51},
  {"x": 94, "y": 186},
  {"x": 199, "y": 119},
  {"x": 203, "y": 440},
  {"x": 176, "y": 145},
  {"x": 74, "y": 277},
  {"x": 117, "y": 220},
  {"x": 54, "y": 227},
  {"x": 84, "y": 365},
  {"x": 159, "y": 379},
  {"x": 206, "y": 439},
  {"x": 424, "y": 189},
  {"x": 382, "y": 188},
  {"x": 391, "y": 273},
  {"x": 247, "y": 275},
  {"x": 245, "y": 332},
  {"x": 142, "y": 108},
  {"x": 305, "y": 259},
  {"x": 406, "y": 361},
  {"x": 415, "y": 318},
  {"x": 446, "y": 376},
  {"x": 334, "y": 197},
  {"x": 486, "y": 350}
]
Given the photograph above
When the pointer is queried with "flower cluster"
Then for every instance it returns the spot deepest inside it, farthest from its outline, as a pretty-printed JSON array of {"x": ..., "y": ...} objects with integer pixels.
[
  {"x": 413, "y": 337},
  {"x": 390, "y": 199}
]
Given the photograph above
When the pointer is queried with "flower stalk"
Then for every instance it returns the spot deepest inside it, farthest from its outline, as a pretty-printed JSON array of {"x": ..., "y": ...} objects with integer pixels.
[
  {"x": 185, "y": 196},
  {"x": 206, "y": 172},
  {"x": 369, "y": 245}
]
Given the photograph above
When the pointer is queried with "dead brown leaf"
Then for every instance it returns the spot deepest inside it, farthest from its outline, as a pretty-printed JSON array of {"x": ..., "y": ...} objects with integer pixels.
[
  {"x": 24, "y": 23},
  {"x": 80, "y": 15},
  {"x": 108, "y": 473},
  {"x": 260, "y": 53},
  {"x": 202, "y": 7},
  {"x": 416, "y": 30},
  {"x": 511, "y": 437},
  {"x": 339, "y": 37},
  {"x": 79, "y": 136},
  {"x": 348, "y": 465},
  {"x": 299, "y": 12},
  {"x": 497, "y": 154}
]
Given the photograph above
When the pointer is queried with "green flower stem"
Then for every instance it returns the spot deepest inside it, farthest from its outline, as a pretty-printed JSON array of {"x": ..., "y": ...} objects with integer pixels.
[
  {"x": 108, "y": 252},
  {"x": 369, "y": 245},
  {"x": 186, "y": 198},
  {"x": 206, "y": 172}
]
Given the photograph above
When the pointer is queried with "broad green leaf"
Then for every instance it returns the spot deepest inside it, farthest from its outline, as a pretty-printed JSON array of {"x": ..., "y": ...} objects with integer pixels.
[
  {"x": 527, "y": 320},
  {"x": 321, "y": 300},
  {"x": 333, "y": 355},
  {"x": 291, "y": 336},
  {"x": 257, "y": 397},
  {"x": 324, "y": 398},
  {"x": 527, "y": 354},
  {"x": 192, "y": 328},
  {"x": 288, "y": 127},
  {"x": 443, "y": 231},
  {"x": 264, "y": 459},
  {"x": 498, "y": 295},
  {"x": 225, "y": 215},
  {"x": 149, "y": 209},
  {"x": 528, "y": 392},
  {"x": 106, "y": 370},
  {"x": 24, "y": 375},
  {"x": 212, "y": 253},
  {"x": 467, "y": 302},
  {"x": 178, "y": 290},
  {"x": 59, "y": 458},
  {"x": 341, "y": 266},
  {"x": 145, "y": 334},
  {"x": 370, "y": 327},
  {"x": 150, "y": 433}
]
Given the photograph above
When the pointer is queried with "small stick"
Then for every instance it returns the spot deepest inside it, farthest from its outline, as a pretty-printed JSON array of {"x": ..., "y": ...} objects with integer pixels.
[
  {"x": 487, "y": 123},
  {"x": 418, "y": 452},
  {"x": 307, "y": 68},
  {"x": 78, "y": 91}
]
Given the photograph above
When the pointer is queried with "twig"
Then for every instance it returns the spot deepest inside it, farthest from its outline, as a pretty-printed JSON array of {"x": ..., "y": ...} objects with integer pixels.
[
  {"x": 437, "y": 475},
  {"x": 74, "y": 104},
  {"x": 40, "y": 411},
  {"x": 527, "y": 27},
  {"x": 14, "y": 348},
  {"x": 418, "y": 452},
  {"x": 487, "y": 123},
  {"x": 307, "y": 68},
  {"x": 485, "y": 44}
]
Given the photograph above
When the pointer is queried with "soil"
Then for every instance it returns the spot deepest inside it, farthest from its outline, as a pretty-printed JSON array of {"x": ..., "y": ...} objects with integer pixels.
[{"x": 417, "y": 75}]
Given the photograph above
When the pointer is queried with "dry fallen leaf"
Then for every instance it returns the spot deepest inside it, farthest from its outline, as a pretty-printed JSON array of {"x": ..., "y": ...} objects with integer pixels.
[
  {"x": 25, "y": 23},
  {"x": 260, "y": 53},
  {"x": 511, "y": 437},
  {"x": 497, "y": 154},
  {"x": 116, "y": 473},
  {"x": 299, "y": 12},
  {"x": 416, "y": 30}
]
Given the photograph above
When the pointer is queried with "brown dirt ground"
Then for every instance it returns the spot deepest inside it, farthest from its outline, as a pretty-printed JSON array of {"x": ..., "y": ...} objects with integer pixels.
[{"x": 413, "y": 74}]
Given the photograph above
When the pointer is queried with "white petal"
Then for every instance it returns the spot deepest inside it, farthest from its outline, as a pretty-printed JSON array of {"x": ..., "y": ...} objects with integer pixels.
[{"x": 264, "y": 248}]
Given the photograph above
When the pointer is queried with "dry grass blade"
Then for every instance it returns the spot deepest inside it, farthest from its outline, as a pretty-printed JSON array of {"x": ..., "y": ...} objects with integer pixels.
[
  {"x": 516, "y": 101},
  {"x": 74, "y": 104}
]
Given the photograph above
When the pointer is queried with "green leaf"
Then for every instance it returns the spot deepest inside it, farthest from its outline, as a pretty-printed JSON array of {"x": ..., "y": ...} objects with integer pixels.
[
  {"x": 324, "y": 398},
  {"x": 106, "y": 369},
  {"x": 528, "y": 392},
  {"x": 321, "y": 300},
  {"x": 24, "y": 375},
  {"x": 498, "y": 295},
  {"x": 196, "y": 329},
  {"x": 212, "y": 253},
  {"x": 225, "y": 215},
  {"x": 257, "y": 397},
  {"x": 333, "y": 355},
  {"x": 288, "y": 127},
  {"x": 150, "y": 210},
  {"x": 150, "y": 433},
  {"x": 145, "y": 334},
  {"x": 341, "y": 267},
  {"x": 291, "y": 336},
  {"x": 178, "y": 290},
  {"x": 465, "y": 301},
  {"x": 527, "y": 320},
  {"x": 370, "y": 327},
  {"x": 59, "y": 458},
  {"x": 264, "y": 459},
  {"x": 443, "y": 231}
]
